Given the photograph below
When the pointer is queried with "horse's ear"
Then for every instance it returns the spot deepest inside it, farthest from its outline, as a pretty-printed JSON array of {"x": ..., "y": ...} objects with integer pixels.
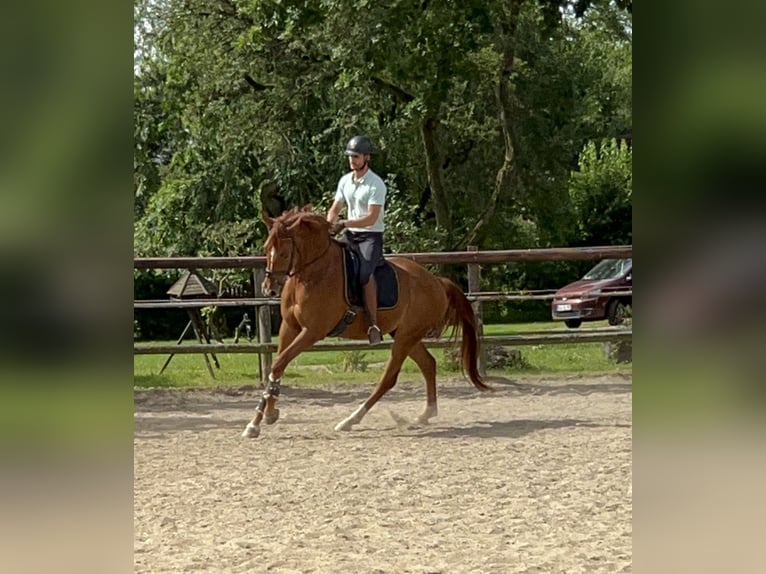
[{"x": 266, "y": 219}]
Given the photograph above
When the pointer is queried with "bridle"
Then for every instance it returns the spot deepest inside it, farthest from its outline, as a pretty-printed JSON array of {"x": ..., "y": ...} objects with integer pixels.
[{"x": 290, "y": 271}]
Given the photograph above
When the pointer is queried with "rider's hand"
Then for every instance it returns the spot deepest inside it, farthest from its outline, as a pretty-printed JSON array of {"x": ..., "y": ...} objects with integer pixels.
[{"x": 337, "y": 227}]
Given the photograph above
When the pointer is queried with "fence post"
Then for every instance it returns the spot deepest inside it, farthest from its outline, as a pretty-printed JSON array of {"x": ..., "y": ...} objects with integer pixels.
[
  {"x": 474, "y": 279},
  {"x": 263, "y": 313}
]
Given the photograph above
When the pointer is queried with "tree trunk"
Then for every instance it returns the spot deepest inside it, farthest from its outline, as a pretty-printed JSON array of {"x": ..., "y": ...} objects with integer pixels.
[
  {"x": 503, "y": 93},
  {"x": 435, "y": 180}
]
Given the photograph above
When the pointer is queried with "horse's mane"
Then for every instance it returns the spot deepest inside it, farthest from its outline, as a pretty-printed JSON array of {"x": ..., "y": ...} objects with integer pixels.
[
  {"x": 289, "y": 220},
  {"x": 295, "y": 216}
]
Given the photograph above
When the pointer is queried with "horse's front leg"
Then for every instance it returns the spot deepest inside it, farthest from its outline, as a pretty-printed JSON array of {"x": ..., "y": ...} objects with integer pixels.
[
  {"x": 287, "y": 334},
  {"x": 291, "y": 344}
]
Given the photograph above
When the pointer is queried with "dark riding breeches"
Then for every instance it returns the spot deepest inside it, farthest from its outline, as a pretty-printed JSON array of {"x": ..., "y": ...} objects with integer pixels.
[{"x": 370, "y": 246}]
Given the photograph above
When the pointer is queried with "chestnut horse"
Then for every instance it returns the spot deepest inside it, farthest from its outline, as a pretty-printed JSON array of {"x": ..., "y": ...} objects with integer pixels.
[{"x": 306, "y": 264}]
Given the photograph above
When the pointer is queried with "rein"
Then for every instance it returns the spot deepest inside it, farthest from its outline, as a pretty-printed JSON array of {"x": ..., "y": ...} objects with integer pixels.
[
  {"x": 317, "y": 258},
  {"x": 290, "y": 272}
]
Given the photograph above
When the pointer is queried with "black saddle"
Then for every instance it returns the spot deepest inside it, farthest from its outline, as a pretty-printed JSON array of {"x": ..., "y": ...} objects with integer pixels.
[{"x": 385, "y": 279}]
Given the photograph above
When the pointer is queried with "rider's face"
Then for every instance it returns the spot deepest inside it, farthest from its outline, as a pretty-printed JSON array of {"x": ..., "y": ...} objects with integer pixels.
[{"x": 357, "y": 162}]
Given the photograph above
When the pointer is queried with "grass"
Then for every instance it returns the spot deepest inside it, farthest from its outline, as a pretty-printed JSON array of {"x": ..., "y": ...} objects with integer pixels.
[
  {"x": 328, "y": 366},
  {"x": 57, "y": 406}
]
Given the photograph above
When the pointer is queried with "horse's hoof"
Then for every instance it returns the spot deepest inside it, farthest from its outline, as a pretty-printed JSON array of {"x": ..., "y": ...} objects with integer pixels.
[
  {"x": 272, "y": 418},
  {"x": 251, "y": 431},
  {"x": 400, "y": 421},
  {"x": 355, "y": 418},
  {"x": 344, "y": 426},
  {"x": 427, "y": 415}
]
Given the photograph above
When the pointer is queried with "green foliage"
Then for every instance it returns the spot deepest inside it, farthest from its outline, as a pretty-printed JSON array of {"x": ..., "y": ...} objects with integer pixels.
[
  {"x": 354, "y": 361},
  {"x": 406, "y": 231},
  {"x": 450, "y": 360},
  {"x": 150, "y": 324},
  {"x": 247, "y": 105},
  {"x": 602, "y": 194}
]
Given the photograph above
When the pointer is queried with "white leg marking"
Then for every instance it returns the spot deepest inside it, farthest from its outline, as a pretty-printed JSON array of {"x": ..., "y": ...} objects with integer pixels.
[
  {"x": 251, "y": 431},
  {"x": 401, "y": 422},
  {"x": 355, "y": 418},
  {"x": 428, "y": 413}
]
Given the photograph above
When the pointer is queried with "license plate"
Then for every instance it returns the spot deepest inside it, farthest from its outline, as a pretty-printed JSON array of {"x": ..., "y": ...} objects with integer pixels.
[{"x": 563, "y": 307}]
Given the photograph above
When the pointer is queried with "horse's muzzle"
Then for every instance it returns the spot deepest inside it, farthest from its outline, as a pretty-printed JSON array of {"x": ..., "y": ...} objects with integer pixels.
[{"x": 270, "y": 288}]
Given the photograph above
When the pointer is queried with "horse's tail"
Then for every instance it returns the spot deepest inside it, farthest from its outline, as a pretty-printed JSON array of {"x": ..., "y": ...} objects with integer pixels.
[{"x": 460, "y": 316}]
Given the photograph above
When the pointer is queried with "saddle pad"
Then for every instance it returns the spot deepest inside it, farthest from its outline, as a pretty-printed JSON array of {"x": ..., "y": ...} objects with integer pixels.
[{"x": 385, "y": 279}]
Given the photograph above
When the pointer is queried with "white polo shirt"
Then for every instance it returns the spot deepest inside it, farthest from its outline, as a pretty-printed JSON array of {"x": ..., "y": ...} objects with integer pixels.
[{"x": 370, "y": 190}]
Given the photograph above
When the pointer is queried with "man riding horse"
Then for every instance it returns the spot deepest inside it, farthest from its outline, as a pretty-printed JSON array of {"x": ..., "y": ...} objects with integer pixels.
[{"x": 364, "y": 193}]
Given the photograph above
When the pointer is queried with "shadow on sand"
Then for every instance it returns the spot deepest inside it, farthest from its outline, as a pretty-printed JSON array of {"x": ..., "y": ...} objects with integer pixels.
[{"x": 504, "y": 429}]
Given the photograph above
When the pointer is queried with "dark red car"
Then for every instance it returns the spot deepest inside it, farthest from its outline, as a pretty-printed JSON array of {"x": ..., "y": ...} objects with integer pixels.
[{"x": 600, "y": 294}]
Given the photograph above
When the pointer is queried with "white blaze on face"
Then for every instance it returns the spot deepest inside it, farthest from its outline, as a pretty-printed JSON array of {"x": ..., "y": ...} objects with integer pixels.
[{"x": 266, "y": 284}]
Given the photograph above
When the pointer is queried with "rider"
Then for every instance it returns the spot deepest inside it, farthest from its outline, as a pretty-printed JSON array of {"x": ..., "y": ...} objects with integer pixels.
[{"x": 364, "y": 192}]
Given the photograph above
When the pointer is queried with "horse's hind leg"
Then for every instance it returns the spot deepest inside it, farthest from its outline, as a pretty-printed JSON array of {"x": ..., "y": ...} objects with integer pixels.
[
  {"x": 399, "y": 353},
  {"x": 427, "y": 365}
]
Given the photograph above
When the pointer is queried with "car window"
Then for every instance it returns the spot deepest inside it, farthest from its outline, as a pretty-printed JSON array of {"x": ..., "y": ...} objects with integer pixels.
[{"x": 609, "y": 269}]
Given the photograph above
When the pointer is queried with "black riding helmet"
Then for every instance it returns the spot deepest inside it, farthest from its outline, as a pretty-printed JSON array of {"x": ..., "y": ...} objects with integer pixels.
[{"x": 359, "y": 145}]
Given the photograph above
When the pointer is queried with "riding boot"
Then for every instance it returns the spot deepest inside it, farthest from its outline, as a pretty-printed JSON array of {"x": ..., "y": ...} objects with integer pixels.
[{"x": 371, "y": 306}]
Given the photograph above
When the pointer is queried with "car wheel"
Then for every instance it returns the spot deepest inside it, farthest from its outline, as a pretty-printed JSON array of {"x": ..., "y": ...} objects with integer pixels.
[
  {"x": 615, "y": 312},
  {"x": 573, "y": 323}
]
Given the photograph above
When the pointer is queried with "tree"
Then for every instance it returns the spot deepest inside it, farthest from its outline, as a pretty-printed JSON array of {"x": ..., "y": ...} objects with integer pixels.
[
  {"x": 478, "y": 111},
  {"x": 602, "y": 193}
]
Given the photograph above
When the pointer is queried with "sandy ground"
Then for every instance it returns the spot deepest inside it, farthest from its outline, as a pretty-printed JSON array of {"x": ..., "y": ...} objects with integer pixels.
[{"x": 533, "y": 478}]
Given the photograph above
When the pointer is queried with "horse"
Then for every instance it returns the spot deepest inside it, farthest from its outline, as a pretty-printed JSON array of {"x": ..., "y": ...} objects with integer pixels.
[{"x": 305, "y": 266}]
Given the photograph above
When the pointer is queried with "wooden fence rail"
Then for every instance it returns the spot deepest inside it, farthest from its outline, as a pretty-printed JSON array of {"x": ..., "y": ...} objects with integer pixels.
[
  {"x": 519, "y": 339},
  {"x": 465, "y": 257},
  {"x": 250, "y": 301},
  {"x": 473, "y": 258}
]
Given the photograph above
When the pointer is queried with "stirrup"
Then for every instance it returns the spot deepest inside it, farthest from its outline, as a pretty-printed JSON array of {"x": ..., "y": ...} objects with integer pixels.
[{"x": 374, "y": 335}]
